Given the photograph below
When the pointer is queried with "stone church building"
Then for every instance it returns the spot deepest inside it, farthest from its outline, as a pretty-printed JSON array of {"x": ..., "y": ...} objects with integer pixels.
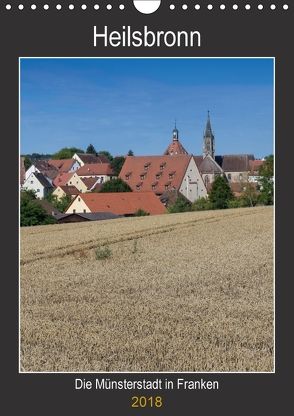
[
  {"x": 177, "y": 171},
  {"x": 238, "y": 169}
]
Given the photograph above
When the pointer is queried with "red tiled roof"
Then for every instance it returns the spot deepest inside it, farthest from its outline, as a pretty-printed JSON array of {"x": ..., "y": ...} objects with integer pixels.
[
  {"x": 95, "y": 169},
  {"x": 134, "y": 166},
  {"x": 175, "y": 148},
  {"x": 63, "y": 165},
  {"x": 62, "y": 179},
  {"x": 123, "y": 203}
]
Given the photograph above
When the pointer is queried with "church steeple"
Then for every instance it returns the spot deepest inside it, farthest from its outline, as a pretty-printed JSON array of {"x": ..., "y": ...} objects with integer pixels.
[
  {"x": 175, "y": 147},
  {"x": 208, "y": 139},
  {"x": 175, "y": 132}
]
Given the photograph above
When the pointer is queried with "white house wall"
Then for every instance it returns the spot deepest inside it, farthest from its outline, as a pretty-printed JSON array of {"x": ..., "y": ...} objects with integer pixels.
[
  {"x": 192, "y": 186},
  {"x": 30, "y": 170},
  {"x": 75, "y": 166},
  {"x": 78, "y": 159},
  {"x": 33, "y": 184},
  {"x": 76, "y": 181},
  {"x": 77, "y": 206}
]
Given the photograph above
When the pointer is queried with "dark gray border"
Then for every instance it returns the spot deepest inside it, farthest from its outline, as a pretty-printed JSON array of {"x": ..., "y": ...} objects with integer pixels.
[{"x": 65, "y": 34}]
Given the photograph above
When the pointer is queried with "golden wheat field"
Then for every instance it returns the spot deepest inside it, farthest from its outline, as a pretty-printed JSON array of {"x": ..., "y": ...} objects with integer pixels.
[{"x": 179, "y": 292}]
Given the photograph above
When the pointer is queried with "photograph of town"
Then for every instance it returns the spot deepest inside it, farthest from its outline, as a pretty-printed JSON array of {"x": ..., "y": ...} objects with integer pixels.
[{"x": 146, "y": 215}]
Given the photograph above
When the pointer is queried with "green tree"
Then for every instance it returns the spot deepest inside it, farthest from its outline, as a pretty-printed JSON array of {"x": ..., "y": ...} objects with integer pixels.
[
  {"x": 60, "y": 204},
  {"x": 220, "y": 193},
  {"x": 66, "y": 153},
  {"x": 27, "y": 162},
  {"x": 91, "y": 149},
  {"x": 116, "y": 164},
  {"x": 105, "y": 153},
  {"x": 266, "y": 182},
  {"x": 130, "y": 153},
  {"x": 115, "y": 185},
  {"x": 201, "y": 204},
  {"x": 141, "y": 213},
  {"x": 181, "y": 204},
  {"x": 31, "y": 212},
  {"x": 249, "y": 196}
]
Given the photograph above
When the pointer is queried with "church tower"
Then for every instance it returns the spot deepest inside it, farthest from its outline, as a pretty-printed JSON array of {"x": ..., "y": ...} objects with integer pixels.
[
  {"x": 175, "y": 147},
  {"x": 208, "y": 140}
]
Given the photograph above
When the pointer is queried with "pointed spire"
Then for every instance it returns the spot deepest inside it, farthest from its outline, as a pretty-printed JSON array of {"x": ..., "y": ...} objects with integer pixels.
[
  {"x": 208, "y": 139},
  {"x": 208, "y": 130}
]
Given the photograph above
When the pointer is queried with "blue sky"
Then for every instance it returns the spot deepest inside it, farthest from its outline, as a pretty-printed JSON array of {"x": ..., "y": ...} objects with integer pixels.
[{"x": 122, "y": 104}]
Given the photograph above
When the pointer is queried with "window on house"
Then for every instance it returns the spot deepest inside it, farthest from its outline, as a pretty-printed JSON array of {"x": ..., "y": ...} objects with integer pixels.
[
  {"x": 229, "y": 176},
  {"x": 79, "y": 198},
  {"x": 32, "y": 182},
  {"x": 74, "y": 211},
  {"x": 84, "y": 210},
  {"x": 171, "y": 175},
  {"x": 167, "y": 185},
  {"x": 38, "y": 190},
  {"x": 241, "y": 176},
  {"x": 162, "y": 165},
  {"x": 158, "y": 175},
  {"x": 143, "y": 176}
]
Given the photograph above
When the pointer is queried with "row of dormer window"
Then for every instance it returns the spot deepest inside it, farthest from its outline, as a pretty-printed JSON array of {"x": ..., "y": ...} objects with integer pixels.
[
  {"x": 154, "y": 185},
  {"x": 143, "y": 175}
]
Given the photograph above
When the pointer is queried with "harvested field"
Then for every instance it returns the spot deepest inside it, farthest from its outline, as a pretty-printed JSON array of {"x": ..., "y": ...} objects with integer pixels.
[{"x": 179, "y": 292}]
